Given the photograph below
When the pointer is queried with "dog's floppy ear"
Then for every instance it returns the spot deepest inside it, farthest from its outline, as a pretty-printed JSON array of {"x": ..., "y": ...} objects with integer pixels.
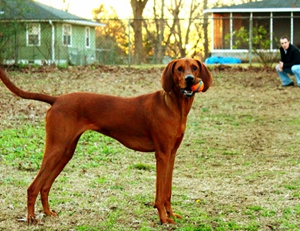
[
  {"x": 167, "y": 80},
  {"x": 205, "y": 75}
]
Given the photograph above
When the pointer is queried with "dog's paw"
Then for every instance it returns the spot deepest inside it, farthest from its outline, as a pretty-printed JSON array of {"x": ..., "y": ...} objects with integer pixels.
[
  {"x": 167, "y": 221},
  {"x": 31, "y": 220},
  {"x": 53, "y": 214},
  {"x": 176, "y": 216}
]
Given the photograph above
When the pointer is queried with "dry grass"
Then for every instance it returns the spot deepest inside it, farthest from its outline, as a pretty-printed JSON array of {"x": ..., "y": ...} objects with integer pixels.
[{"x": 237, "y": 168}]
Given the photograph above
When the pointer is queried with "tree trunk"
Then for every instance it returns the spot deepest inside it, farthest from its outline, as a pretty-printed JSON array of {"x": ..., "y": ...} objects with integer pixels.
[
  {"x": 205, "y": 31},
  {"x": 161, "y": 34},
  {"x": 138, "y": 7}
]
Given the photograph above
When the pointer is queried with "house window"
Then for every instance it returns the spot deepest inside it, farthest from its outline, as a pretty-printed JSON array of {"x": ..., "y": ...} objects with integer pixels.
[
  {"x": 67, "y": 35},
  {"x": 87, "y": 37},
  {"x": 261, "y": 31},
  {"x": 221, "y": 31},
  {"x": 296, "y": 37},
  {"x": 281, "y": 26},
  {"x": 232, "y": 31},
  {"x": 33, "y": 34},
  {"x": 240, "y": 24}
]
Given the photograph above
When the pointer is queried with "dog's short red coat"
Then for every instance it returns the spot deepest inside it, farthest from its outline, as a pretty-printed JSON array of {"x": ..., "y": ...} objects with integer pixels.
[{"x": 152, "y": 122}]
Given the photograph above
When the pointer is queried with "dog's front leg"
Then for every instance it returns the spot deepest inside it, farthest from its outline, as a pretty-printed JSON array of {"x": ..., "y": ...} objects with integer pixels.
[
  {"x": 169, "y": 179},
  {"x": 162, "y": 162}
]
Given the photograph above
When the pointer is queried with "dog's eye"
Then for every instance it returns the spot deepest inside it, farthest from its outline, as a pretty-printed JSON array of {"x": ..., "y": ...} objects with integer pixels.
[
  {"x": 180, "y": 68},
  {"x": 195, "y": 68}
]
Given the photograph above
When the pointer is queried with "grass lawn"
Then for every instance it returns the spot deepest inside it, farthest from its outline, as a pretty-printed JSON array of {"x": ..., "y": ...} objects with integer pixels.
[{"x": 238, "y": 167}]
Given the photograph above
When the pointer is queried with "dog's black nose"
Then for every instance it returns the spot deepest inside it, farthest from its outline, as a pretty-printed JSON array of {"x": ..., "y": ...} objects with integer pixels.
[{"x": 189, "y": 78}]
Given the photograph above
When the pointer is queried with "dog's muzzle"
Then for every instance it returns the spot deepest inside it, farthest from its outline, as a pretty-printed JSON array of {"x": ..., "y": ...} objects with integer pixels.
[
  {"x": 189, "y": 79},
  {"x": 188, "y": 93}
]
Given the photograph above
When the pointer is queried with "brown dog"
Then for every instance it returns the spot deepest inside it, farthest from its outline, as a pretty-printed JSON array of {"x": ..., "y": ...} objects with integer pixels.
[{"x": 153, "y": 123}]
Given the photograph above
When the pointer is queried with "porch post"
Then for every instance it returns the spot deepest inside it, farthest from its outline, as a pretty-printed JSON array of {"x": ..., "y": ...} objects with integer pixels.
[
  {"x": 271, "y": 31},
  {"x": 231, "y": 30},
  {"x": 52, "y": 42},
  {"x": 212, "y": 32},
  {"x": 292, "y": 28},
  {"x": 250, "y": 37}
]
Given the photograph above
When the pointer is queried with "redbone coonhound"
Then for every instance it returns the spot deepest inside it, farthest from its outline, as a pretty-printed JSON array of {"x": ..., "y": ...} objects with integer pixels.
[{"x": 152, "y": 122}]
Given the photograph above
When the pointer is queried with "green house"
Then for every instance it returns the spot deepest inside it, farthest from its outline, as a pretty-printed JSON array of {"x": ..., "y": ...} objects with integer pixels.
[{"x": 31, "y": 32}]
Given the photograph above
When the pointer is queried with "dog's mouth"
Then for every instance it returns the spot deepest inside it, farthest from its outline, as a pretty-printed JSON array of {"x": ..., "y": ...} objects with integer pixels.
[{"x": 187, "y": 91}]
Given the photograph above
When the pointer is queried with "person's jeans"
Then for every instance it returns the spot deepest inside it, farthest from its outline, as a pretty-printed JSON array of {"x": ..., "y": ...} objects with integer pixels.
[{"x": 295, "y": 70}]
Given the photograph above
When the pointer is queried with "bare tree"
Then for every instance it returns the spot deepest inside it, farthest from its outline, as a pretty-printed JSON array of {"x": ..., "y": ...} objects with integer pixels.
[
  {"x": 187, "y": 32},
  {"x": 157, "y": 36},
  {"x": 175, "y": 10},
  {"x": 138, "y": 7},
  {"x": 159, "y": 31},
  {"x": 111, "y": 40},
  {"x": 176, "y": 30}
]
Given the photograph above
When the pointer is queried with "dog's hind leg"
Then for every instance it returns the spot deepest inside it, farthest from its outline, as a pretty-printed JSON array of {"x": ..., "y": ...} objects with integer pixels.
[
  {"x": 49, "y": 181},
  {"x": 52, "y": 158},
  {"x": 61, "y": 141}
]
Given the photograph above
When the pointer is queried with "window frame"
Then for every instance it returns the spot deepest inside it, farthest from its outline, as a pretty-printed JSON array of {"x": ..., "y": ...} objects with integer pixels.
[
  {"x": 67, "y": 35},
  {"x": 29, "y": 33},
  {"x": 87, "y": 37}
]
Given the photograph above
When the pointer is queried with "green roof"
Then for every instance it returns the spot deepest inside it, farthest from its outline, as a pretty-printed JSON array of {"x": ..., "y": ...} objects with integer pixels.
[
  {"x": 259, "y": 6},
  {"x": 28, "y": 10}
]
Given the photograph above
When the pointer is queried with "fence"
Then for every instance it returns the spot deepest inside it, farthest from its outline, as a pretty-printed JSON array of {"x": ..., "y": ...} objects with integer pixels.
[
  {"x": 115, "y": 43},
  {"x": 160, "y": 40}
]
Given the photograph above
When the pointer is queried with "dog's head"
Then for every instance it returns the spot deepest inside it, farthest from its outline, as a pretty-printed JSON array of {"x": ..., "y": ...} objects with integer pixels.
[{"x": 183, "y": 73}]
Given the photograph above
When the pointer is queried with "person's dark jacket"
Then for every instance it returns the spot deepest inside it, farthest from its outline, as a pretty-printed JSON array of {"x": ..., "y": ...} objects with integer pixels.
[{"x": 291, "y": 58}]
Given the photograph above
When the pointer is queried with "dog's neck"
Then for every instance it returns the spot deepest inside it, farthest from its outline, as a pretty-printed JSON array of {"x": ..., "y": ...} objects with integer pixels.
[{"x": 178, "y": 102}]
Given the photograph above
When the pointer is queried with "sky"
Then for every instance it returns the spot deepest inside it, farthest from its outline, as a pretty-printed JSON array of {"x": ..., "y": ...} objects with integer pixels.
[{"x": 83, "y": 8}]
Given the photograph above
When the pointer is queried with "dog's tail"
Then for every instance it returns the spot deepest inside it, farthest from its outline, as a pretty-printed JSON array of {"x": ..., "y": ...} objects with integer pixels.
[{"x": 24, "y": 94}]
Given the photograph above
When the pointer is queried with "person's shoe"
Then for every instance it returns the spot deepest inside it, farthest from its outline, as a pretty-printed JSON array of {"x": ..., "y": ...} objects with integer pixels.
[{"x": 288, "y": 85}]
